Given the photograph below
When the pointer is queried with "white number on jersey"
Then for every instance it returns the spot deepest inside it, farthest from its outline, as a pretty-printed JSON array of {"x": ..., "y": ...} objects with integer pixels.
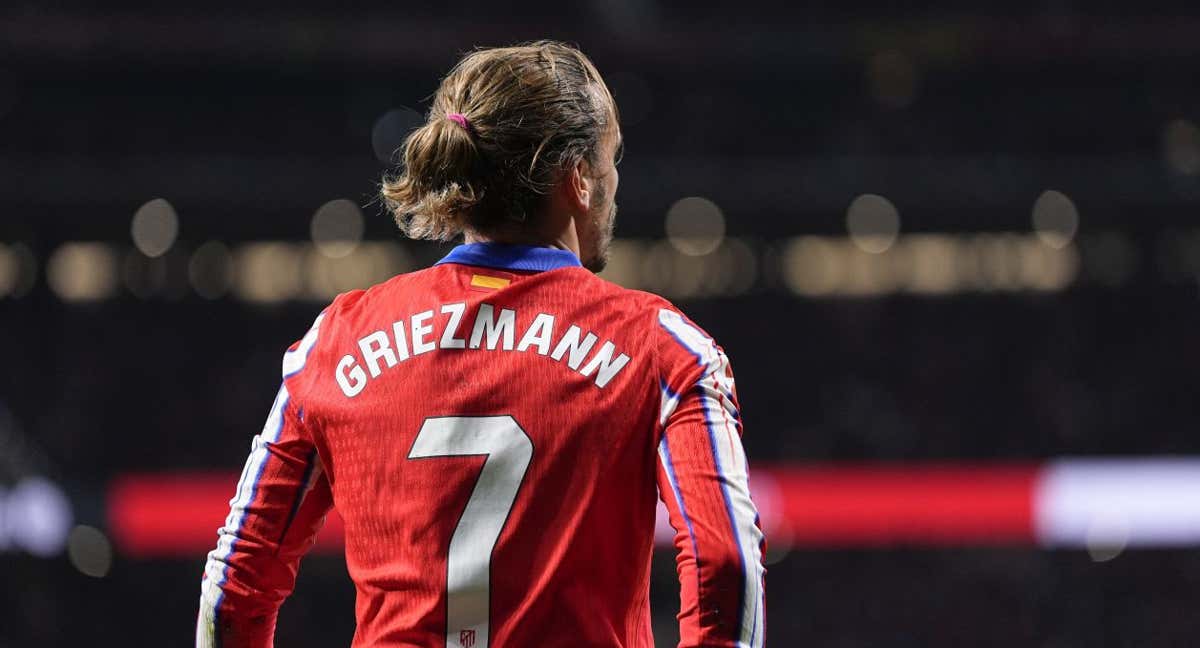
[{"x": 508, "y": 451}]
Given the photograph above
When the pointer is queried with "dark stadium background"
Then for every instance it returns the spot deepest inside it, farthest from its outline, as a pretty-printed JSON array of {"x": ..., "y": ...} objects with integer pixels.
[{"x": 983, "y": 130}]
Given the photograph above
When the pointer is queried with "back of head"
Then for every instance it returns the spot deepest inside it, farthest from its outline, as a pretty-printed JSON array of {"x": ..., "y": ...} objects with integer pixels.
[{"x": 503, "y": 125}]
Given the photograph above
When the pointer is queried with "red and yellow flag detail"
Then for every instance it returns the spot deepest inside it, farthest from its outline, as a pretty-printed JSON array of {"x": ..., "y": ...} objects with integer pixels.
[{"x": 487, "y": 281}]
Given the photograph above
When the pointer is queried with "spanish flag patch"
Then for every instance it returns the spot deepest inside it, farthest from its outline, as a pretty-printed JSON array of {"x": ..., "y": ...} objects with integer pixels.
[{"x": 486, "y": 281}]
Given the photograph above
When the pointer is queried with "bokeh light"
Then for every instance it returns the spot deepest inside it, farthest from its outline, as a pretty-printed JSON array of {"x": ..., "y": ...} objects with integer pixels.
[
  {"x": 873, "y": 223},
  {"x": 267, "y": 272},
  {"x": 155, "y": 227},
  {"x": 695, "y": 226},
  {"x": 658, "y": 266},
  {"x": 1181, "y": 147},
  {"x": 812, "y": 266},
  {"x": 1106, "y": 537},
  {"x": 337, "y": 228},
  {"x": 27, "y": 269},
  {"x": 1045, "y": 269},
  {"x": 369, "y": 264},
  {"x": 210, "y": 270},
  {"x": 144, "y": 277},
  {"x": 10, "y": 270},
  {"x": 935, "y": 269},
  {"x": 37, "y": 516},
  {"x": 1055, "y": 219},
  {"x": 736, "y": 270},
  {"x": 80, "y": 272},
  {"x": 927, "y": 264},
  {"x": 90, "y": 551},
  {"x": 624, "y": 258}
]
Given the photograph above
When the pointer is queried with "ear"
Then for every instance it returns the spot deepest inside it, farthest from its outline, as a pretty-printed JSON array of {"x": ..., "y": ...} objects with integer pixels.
[{"x": 579, "y": 186}]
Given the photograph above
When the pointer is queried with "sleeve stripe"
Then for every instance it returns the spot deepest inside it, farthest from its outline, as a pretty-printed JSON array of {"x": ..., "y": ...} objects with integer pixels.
[
  {"x": 664, "y": 455},
  {"x": 669, "y": 401},
  {"x": 218, "y": 566},
  {"x": 294, "y": 360},
  {"x": 704, "y": 348},
  {"x": 729, "y": 458},
  {"x": 311, "y": 472},
  {"x": 730, "y": 461},
  {"x": 688, "y": 336}
]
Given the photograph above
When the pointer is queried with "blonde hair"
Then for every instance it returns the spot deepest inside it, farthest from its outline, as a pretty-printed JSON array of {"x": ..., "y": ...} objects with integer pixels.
[{"x": 527, "y": 113}]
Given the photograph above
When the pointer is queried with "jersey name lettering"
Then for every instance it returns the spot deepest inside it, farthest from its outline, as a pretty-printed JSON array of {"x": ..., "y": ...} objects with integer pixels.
[{"x": 492, "y": 329}]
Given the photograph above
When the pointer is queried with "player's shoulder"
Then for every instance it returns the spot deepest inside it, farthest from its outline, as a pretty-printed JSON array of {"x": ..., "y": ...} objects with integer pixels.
[
  {"x": 635, "y": 302},
  {"x": 355, "y": 304},
  {"x": 342, "y": 318},
  {"x": 675, "y": 337}
]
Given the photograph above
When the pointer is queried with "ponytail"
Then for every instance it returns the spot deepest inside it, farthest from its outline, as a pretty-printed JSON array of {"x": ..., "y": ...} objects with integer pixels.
[{"x": 503, "y": 126}]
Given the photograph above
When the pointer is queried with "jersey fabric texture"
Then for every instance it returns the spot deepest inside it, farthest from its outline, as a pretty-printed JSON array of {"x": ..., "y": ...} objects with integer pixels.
[{"x": 496, "y": 431}]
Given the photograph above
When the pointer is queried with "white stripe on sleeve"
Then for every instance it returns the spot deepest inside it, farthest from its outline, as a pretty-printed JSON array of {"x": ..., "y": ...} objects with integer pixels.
[
  {"x": 293, "y": 361},
  {"x": 731, "y": 465},
  {"x": 215, "y": 568}
]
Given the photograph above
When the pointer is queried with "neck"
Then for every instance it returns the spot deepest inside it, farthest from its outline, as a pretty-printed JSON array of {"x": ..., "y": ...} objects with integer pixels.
[{"x": 565, "y": 239}]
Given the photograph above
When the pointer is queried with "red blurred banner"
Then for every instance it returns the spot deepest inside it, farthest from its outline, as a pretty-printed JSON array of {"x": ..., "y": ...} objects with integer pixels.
[
  {"x": 176, "y": 514},
  {"x": 884, "y": 504}
]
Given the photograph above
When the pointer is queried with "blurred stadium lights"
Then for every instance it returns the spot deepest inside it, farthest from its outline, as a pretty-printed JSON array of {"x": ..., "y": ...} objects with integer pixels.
[
  {"x": 1181, "y": 147},
  {"x": 144, "y": 276},
  {"x": 873, "y": 223},
  {"x": 80, "y": 271},
  {"x": 10, "y": 270},
  {"x": 624, "y": 259},
  {"x": 210, "y": 270},
  {"x": 267, "y": 272},
  {"x": 389, "y": 131},
  {"x": 155, "y": 227},
  {"x": 1110, "y": 504},
  {"x": 892, "y": 78},
  {"x": 337, "y": 228},
  {"x": 271, "y": 272},
  {"x": 865, "y": 264},
  {"x": 695, "y": 226},
  {"x": 1055, "y": 219},
  {"x": 660, "y": 266},
  {"x": 35, "y": 516},
  {"x": 928, "y": 264},
  {"x": 370, "y": 263},
  {"x": 90, "y": 551},
  {"x": 25, "y": 270}
]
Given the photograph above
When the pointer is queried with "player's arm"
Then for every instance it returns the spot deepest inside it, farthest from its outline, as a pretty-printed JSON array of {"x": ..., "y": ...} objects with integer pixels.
[
  {"x": 702, "y": 478},
  {"x": 279, "y": 505}
]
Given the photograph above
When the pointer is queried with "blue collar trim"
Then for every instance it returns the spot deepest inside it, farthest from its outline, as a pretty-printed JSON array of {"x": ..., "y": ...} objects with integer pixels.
[{"x": 511, "y": 257}]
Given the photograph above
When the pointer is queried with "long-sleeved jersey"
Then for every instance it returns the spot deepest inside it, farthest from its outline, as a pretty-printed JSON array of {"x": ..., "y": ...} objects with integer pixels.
[{"x": 495, "y": 432}]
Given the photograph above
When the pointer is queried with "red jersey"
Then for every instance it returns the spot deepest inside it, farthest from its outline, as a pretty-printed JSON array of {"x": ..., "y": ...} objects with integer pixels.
[{"x": 495, "y": 432}]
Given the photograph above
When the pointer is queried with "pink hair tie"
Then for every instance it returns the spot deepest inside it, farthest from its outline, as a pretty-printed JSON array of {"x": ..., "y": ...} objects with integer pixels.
[{"x": 459, "y": 119}]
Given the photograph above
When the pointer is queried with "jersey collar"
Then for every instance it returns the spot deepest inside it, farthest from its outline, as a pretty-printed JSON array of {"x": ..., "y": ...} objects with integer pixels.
[{"x": 511, "y": 257}]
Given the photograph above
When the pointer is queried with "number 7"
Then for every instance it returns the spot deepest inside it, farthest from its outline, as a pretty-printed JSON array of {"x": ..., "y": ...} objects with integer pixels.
[{"x": 468, "y": 566}]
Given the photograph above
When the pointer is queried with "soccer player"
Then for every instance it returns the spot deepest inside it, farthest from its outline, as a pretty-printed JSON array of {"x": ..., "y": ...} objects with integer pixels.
[{"x": 495, "y": 430}]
